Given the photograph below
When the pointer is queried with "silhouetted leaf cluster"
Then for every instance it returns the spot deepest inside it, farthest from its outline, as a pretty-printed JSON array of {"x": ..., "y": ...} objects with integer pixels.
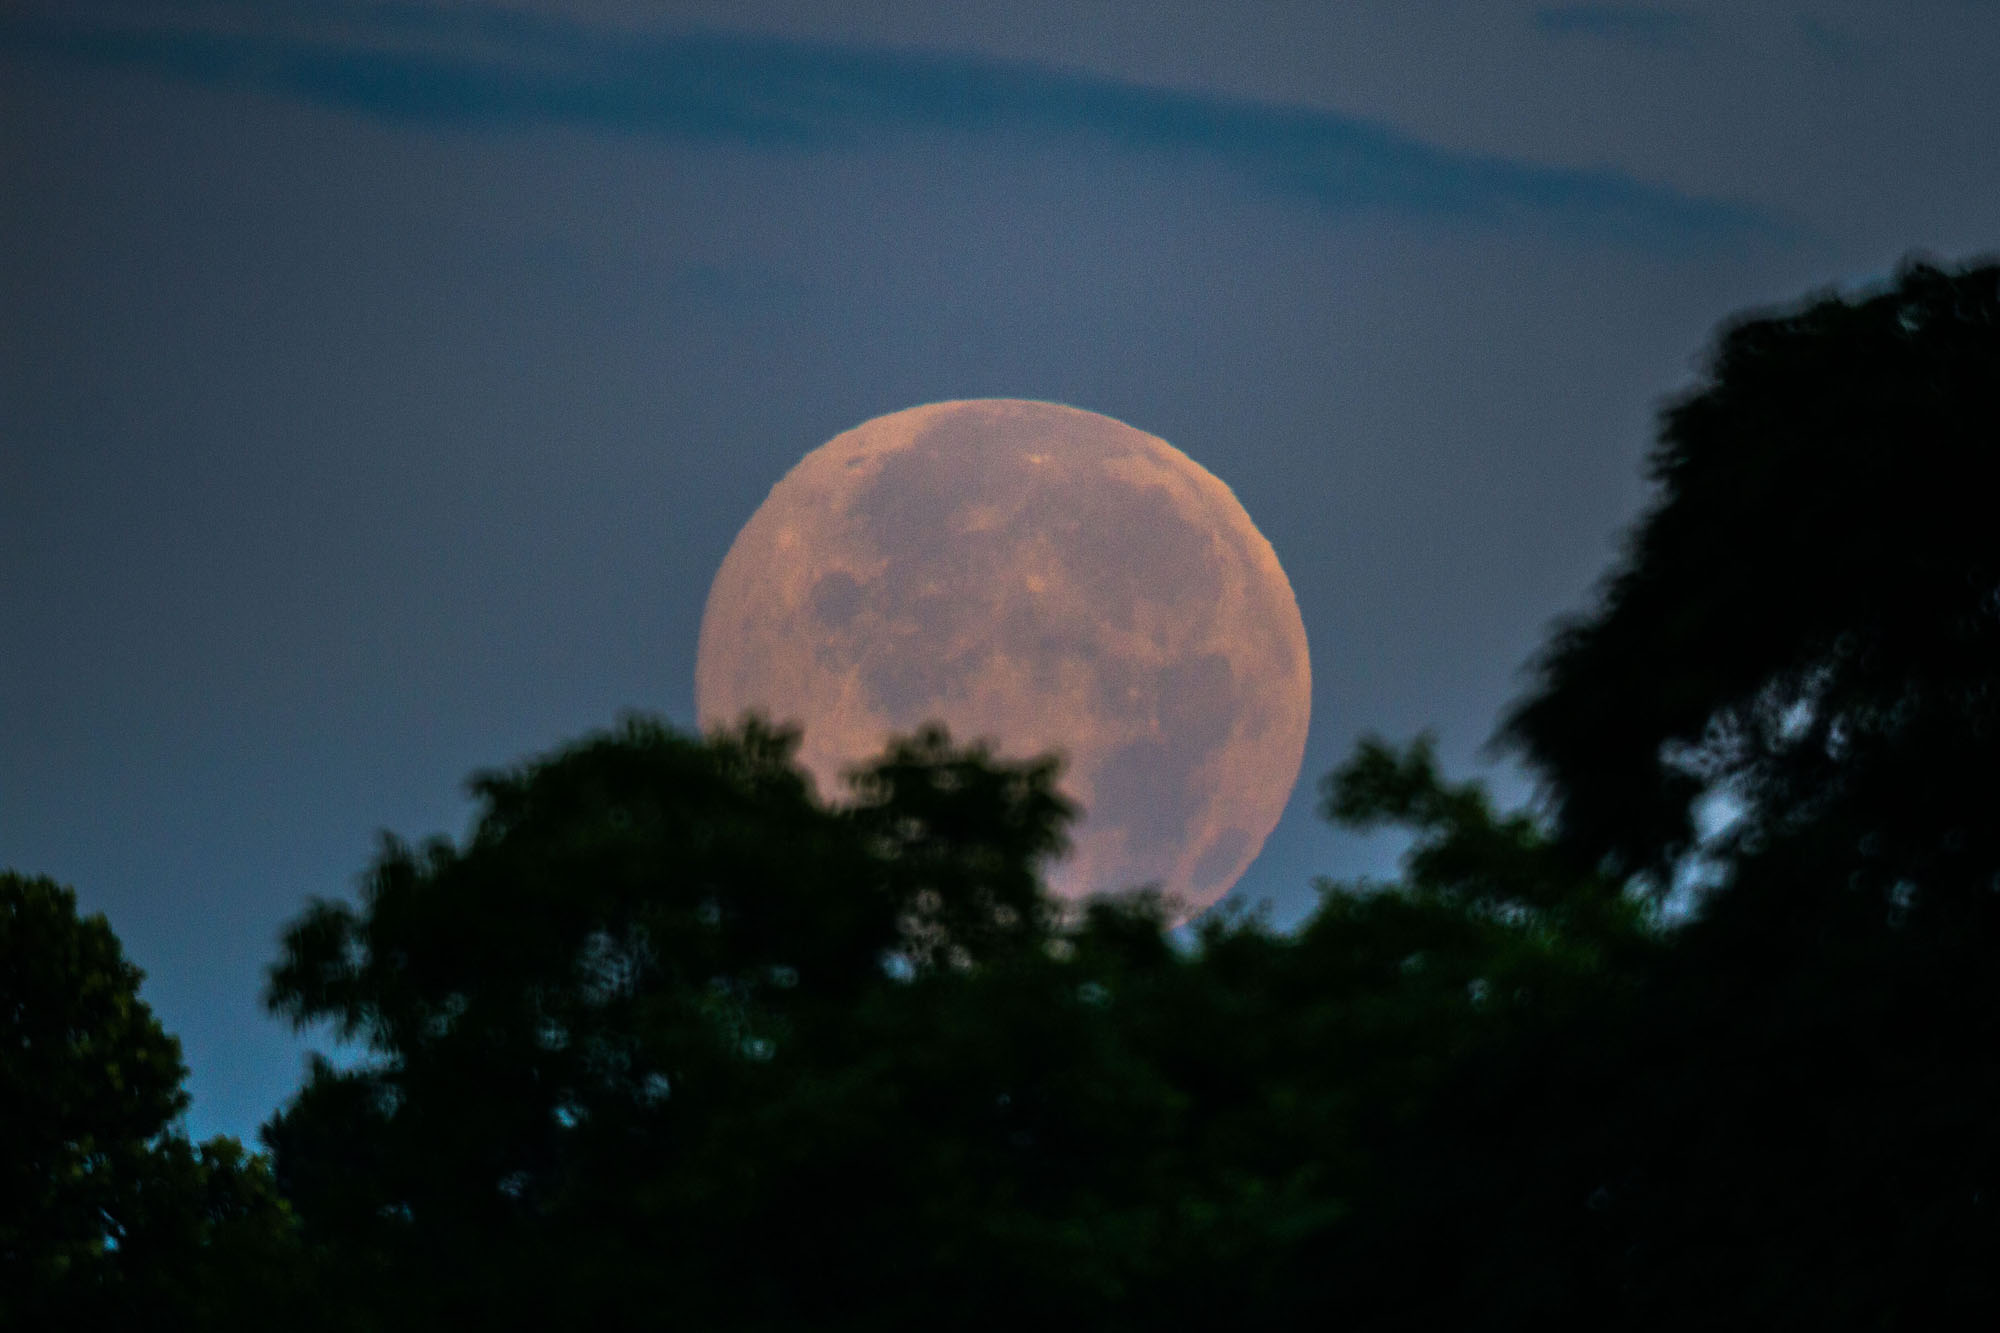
[
  {"x": 1808, "y": 619},
  {"x": 109, "y": 1217}
]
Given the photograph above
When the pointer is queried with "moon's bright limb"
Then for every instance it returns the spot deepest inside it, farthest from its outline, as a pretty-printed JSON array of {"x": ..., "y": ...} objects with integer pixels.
[{"x": 1044, "y": 578}]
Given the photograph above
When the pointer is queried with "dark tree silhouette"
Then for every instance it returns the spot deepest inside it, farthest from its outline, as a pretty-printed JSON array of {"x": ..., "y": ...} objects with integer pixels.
[
  {"x": 668, "y": 1035},
  {"x": 108, "y": 1215},
  {"x": 594, "y": 1024},
  {"x": 1809, "y": 616},
  {"x": 1798, "y": 1126}
]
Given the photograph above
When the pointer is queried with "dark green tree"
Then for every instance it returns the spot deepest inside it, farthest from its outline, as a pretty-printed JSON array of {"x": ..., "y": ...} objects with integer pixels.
[
  {"x": 667, "y": 1034},
  {"x": 1796, "y": 1127},
  {"x": 1808, "y": 617},
  {"x": 668, "y": 1038},
  {"x": 1444, "y": 1004},
  {"x": 592, "y": 1024},
  {"x": 107, "y": 1212}
]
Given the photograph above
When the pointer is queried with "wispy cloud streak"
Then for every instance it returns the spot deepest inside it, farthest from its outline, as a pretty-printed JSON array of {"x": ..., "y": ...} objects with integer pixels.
[{"x": 495, "y": 70}]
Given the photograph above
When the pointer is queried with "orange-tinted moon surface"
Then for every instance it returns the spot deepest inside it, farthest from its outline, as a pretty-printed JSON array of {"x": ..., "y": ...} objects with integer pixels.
[{"x": 1044, "y": 578}]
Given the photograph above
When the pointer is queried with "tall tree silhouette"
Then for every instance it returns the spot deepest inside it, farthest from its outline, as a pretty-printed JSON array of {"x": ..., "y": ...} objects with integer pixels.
[
  {"x": 1808, "y": 618},
  {"x": 1797, "y": 1128}
]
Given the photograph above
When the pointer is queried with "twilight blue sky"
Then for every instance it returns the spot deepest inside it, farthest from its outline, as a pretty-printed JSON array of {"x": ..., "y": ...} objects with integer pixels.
[{"x": 381, "y": 384}]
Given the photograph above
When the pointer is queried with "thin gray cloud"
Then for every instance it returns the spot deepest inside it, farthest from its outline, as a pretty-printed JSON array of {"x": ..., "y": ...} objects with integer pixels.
[{"x": 484, "y": 69}]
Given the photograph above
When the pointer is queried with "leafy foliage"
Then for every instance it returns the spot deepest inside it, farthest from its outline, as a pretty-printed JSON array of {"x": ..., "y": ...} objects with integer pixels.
[
  {"x": 667, "y": 1034},
  {"x": 594, "y": 1024},
  {"x": 106, "y": 1210},
  {"x": 1809, "y": 617},
  {"x": 1797, "y": 1124}
]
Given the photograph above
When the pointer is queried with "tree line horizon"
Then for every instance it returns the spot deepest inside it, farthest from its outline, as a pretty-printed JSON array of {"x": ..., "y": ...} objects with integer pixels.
[{"x": 666, "y": 1040}]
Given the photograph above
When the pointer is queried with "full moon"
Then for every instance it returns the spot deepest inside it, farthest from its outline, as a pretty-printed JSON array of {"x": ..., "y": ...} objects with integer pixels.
[{"x": 1047, "y": 580}]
